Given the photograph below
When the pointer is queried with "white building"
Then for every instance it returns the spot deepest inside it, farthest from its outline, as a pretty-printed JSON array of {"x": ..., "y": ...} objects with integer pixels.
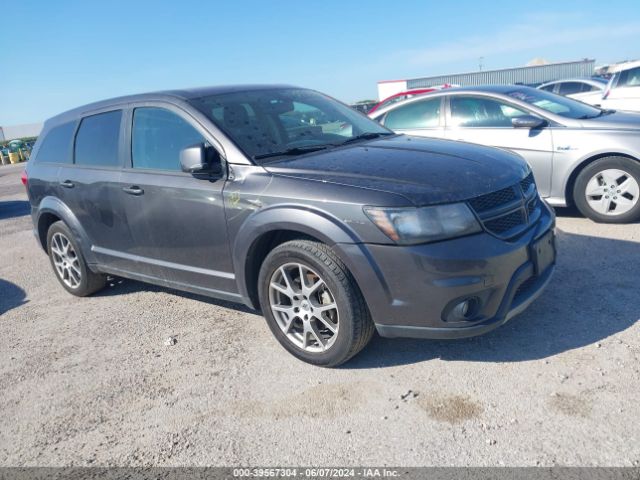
[{"x": 531, "y": 75}]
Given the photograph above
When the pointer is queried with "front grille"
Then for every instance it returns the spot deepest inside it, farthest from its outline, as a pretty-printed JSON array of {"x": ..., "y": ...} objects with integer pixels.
[
  {"x": 526, "y": 182},
  {"x": 493, "y": 199},
  {"x": 506, "y": 222},
  {"x": 508, "y": 212}
]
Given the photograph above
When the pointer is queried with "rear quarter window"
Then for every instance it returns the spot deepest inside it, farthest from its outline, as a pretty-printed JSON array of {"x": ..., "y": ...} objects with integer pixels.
[
  {"x": 56, "y": 144},
  {"x": 97, "y": 140}
]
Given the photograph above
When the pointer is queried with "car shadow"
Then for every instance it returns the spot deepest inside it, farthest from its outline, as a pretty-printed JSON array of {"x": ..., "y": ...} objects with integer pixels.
[
  {"x": 573, "y": 212},
  {"x": 14, "y": 208},
  {"x": 121, "y": 286},
  {"x": 568, "y": 212},
  {"x": 593, "y": 295},
  {"x": 11, "y": 296}
]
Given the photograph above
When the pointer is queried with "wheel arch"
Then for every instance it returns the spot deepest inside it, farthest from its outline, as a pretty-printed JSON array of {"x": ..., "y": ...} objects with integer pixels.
[
  {"x": 571, "y": 181},
  {"x": 269, "y": 228},
  {"x": 51, "y": 210}
]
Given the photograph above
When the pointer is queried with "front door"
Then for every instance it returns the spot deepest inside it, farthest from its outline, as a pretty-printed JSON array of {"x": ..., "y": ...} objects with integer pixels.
[
  {"x": 487, "y": 121},
  {"x": 177, "y": 219}
]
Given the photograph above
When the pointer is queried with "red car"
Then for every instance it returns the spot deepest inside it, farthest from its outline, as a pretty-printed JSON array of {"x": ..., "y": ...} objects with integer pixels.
[{"x": 404, "y": 95}]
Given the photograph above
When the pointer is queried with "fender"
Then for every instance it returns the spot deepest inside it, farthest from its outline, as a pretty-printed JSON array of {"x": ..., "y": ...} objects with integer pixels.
[
  {"x": 58, "y": 208},
  {"x": 314, "y": 223},
  {"x": 584, "y": 160}
]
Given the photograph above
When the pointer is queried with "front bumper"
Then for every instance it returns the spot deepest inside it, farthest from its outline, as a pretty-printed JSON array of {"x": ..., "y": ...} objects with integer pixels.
[{"x": 409, "y": 290}]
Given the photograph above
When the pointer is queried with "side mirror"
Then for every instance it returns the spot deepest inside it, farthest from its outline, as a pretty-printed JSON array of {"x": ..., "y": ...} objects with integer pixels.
[
  {"x": 199, "y": 159},
  {"x": 528, "y": 121}
]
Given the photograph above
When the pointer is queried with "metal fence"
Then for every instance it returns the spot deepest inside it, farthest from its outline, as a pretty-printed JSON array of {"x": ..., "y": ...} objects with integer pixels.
[{"x": 533, "y": 75}]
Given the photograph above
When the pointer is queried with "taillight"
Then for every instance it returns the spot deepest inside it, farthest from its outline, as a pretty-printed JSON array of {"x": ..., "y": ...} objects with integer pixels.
[{"x": 24, "y": 178}]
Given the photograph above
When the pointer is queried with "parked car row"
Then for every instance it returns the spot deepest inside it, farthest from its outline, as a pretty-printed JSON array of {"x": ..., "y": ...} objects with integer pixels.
[
  {"x": 580, "y": 154},
  {"x": 587, "y": 90},
  {"x": 15, "y": 151},
  {"x": 620, "y": 92}
]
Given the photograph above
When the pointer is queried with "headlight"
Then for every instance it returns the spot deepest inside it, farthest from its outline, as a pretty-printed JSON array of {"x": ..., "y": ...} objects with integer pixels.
[{"x": 409, "y": 226}]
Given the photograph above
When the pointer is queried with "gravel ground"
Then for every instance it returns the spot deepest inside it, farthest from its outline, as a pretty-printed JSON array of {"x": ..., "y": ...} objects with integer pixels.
[{"x": 90, "y": 381}]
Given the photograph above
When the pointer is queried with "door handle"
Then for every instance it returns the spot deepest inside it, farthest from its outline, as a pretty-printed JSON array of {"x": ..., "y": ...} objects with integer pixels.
[
  {"x": 133, "y": 190},
  {"x": 67, "y": 184}
]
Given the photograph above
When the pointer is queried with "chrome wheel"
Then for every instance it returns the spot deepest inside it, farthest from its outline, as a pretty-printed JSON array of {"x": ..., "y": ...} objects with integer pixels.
[
  {"x": 612, "y": 192},
  {"x": 65, "y": 260},
  {"x": 304, "y": 307}
]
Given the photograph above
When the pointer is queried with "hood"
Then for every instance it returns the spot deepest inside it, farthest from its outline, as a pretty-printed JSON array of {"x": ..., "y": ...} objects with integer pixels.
[
  {"x": 622, "y": 120},
  {"x": 425, "y": 171}
]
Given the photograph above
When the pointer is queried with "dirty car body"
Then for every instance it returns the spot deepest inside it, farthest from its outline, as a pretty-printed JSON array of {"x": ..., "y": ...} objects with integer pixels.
[{"x": 209, "y": 231}]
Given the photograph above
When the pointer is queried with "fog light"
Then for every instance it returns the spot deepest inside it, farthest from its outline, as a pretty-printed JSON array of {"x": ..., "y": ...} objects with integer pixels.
[
  {"x": 464, "y": 310},
  {"x": 460, "y": 310}
]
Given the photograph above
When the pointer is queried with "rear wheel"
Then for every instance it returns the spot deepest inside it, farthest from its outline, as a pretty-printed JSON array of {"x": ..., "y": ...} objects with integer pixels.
[
  {"x": 608, "y": 190},
  {"x": 69, "y": 264},
  {"x": 312, "y": 303}
]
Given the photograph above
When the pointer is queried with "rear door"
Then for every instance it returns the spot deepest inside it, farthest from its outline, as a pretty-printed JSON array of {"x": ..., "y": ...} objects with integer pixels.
[
  {"x": 177, "y": 219},
  {"x": 422, "y": 118},
  {"x": 90, "y": 186},
  {"x": 487, "y": 121}
]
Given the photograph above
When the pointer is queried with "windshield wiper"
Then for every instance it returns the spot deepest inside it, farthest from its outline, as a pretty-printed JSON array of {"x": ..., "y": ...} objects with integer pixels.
[
  {"x": 600, "y": 114},
  {"x": 366, "y": 136},
  {"x": 291, "y": 151}
]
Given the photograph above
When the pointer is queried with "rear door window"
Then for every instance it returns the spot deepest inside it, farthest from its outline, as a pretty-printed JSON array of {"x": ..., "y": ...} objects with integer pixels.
[
  {"x": 158, "y": 135},
  {"x": 419, "y": 114},
  {"x": 569, "y": 88},
  {"x": 56, "y": 145},
  {"x": 97, "y": 141}
]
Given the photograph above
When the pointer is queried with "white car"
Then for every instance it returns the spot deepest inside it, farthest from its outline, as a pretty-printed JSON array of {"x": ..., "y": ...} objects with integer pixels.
[
  {"x": 623, "y": 90},
  {"x": 587, "y": 90}
]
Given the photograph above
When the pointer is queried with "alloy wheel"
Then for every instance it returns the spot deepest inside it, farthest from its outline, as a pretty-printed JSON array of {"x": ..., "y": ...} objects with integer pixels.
[
  {"x": 304, "y": 307},
  {"x": 612, "y": 192},
  {"x": 65, "y": 260}
]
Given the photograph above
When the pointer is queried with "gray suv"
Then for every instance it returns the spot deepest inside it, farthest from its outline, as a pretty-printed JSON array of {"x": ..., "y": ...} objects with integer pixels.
[{"x": 290, "y": 202}]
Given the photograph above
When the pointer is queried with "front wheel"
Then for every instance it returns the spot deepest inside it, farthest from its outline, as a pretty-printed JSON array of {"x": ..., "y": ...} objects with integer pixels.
[
  {"x": 608, "y": 190},
  {"x": 312, "y": 303}
]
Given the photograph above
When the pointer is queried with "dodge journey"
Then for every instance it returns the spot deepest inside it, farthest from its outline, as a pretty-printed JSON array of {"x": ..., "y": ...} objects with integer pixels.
[{"x": 292, "y": 203}]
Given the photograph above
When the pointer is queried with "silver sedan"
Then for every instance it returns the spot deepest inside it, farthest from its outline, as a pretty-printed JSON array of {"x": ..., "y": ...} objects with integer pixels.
[{"x": 579, "y": 154}]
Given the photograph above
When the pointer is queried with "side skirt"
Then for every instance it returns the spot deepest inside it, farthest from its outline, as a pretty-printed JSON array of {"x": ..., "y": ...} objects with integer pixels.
[{"x": 207, "y": 292}]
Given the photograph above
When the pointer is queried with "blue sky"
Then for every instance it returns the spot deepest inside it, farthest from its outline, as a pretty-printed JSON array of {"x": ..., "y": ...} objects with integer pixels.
[{"x": 60, "y": 54}]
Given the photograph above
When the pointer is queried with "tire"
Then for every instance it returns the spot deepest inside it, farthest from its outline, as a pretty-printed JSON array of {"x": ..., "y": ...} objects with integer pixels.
[
  {"x": 346, "y": 327},
  {"x": 596, "y": 199},
  {"x": 68, "y": 263}
]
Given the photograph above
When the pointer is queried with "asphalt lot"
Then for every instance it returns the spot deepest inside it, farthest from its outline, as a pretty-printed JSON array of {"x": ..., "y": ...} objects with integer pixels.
[{"x": 89, "y": 381}]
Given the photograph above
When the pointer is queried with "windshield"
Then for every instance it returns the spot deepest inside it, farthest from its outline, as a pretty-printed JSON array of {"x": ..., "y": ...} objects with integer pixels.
[
  {"x": 266, "y": 123},
  {"x": 563, "y": 106}
]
